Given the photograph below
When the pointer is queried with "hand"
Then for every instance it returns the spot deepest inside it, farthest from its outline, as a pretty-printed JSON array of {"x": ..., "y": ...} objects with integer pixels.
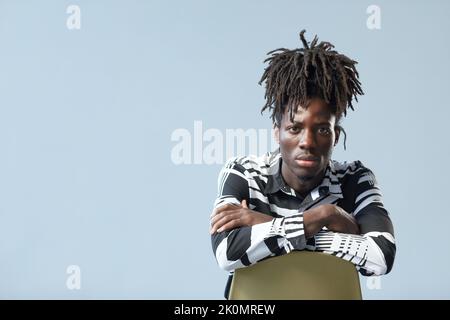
[
  {"x": 341, "y": 221},
  {"x": 331, "y": 216},
  {"x": 232, "y": 216}
]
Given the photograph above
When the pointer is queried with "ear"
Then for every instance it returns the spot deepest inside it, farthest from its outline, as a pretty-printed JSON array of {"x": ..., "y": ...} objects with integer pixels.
[
  {"x": 337, "y": 133},
  {"x": 276, "y": 134}
]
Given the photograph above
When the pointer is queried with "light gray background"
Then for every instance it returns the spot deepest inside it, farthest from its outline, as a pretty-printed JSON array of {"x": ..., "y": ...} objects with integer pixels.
[{"x": 86, "y": 116}]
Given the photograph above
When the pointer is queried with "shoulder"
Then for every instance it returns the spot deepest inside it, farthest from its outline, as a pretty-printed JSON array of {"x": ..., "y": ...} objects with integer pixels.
[
  {"x": 253, "y": 164},
  {"x": 353, "y": 173}
]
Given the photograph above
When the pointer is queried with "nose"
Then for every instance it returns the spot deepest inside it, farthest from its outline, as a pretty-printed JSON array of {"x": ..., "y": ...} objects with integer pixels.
[{"x": 307, "y": 140}]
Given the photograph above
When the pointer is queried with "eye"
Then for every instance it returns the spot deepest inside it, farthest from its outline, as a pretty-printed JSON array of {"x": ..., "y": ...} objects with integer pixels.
[
  {"x": 324, "y": 131},
  {"x": 293, "y": 129}
]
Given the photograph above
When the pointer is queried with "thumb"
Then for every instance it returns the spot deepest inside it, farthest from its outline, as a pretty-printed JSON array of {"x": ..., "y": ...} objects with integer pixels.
[{"x": 244, "y": 203}]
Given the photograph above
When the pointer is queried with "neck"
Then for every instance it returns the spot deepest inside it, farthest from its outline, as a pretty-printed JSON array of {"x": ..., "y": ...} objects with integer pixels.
[{"x": 299, "y": 184}]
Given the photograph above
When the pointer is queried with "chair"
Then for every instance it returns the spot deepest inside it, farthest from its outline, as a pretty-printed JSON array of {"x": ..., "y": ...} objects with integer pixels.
[{"x": 296, "y": 276}]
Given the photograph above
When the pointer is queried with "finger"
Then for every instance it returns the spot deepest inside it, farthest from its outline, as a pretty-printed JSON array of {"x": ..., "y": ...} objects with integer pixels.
[
  {"x": 240, "y": 220},
  {"x": 227, "y": 206},
  {"x": 215, "y": 227},
  {"x": 222, "y": 215},
  {"x": 230, "y": 225},
  {"x": 218, "y": 216},
  {"x": 213, "y": 213},
  {"x": 244, "y": 203},
  {"x": 219, "y": 224},
  {"x": 223, "y": 208}
]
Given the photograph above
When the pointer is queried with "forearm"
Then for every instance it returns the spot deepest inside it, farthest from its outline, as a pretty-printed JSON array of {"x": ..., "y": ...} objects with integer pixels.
[
  {"x": 330, "y": 216},
  {"x": 337, "y": 232},
  {"x": 242, "y": 246},
  {"x": 372, "y": 252},
  {"x": 245, "y": 246}
]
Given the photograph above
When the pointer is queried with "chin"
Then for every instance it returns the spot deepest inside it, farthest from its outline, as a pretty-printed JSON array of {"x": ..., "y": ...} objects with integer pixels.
[
  {"x": 305, "y": 175},
  {"x": 306, "y": 178}
]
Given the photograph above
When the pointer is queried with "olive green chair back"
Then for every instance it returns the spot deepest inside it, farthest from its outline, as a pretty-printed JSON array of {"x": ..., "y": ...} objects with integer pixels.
[{"x": 298, "y": 275}]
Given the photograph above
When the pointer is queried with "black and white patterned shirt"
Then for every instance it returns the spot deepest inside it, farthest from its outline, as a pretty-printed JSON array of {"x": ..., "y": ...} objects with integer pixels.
[{"x": 350, "y": 186}]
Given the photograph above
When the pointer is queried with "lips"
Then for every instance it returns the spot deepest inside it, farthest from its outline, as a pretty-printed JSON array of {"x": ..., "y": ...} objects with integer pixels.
[
  {"x": 307, "y": 158},
  {"x": 307, "y": 161}
]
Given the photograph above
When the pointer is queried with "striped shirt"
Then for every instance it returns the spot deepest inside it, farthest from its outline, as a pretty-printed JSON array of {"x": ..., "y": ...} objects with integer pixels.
[{"x": 351, "y": 186}]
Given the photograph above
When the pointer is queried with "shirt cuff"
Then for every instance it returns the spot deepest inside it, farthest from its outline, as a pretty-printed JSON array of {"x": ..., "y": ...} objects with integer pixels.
[{"x": 290, "y": 228}]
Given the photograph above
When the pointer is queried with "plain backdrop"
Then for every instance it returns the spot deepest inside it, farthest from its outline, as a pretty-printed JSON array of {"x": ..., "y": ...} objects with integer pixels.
[{"x": 87, "y": 117}]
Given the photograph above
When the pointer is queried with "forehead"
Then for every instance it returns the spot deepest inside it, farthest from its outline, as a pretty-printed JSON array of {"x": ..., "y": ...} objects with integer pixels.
[{"x": 316, "y": 110}]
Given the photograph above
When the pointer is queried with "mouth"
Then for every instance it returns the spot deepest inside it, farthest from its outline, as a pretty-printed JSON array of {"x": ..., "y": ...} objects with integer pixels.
[{"x": 307, "y": 161}]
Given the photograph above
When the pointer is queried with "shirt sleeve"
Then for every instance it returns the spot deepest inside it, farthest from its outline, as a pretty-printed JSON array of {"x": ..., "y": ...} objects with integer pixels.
[
  {"x": 373, "y": 251},
  {"x": 244, "y": 246}
]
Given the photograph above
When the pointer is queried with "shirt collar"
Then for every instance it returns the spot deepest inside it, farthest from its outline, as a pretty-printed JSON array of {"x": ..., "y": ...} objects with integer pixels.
[
  {"x": 329, "y": 185},
  {"x": 331, "y": 181}
]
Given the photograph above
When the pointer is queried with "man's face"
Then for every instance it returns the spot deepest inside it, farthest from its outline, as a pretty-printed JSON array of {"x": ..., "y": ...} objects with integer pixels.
[{"x": 306, "y": 144}]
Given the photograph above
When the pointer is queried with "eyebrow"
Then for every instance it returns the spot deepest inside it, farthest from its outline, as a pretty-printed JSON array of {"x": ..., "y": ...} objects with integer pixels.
[{"x": 317, "y": 123}]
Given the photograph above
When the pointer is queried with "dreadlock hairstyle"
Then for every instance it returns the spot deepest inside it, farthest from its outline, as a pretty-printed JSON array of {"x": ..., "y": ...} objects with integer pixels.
[{"x": 293, "y": 77}]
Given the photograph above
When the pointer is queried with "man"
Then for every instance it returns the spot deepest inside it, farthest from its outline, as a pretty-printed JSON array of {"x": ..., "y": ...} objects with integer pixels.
[{"x": 297, "y": 198}]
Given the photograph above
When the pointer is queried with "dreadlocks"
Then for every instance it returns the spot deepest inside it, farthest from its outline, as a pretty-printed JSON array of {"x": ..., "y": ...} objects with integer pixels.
[{"x": 293, "y": 77}]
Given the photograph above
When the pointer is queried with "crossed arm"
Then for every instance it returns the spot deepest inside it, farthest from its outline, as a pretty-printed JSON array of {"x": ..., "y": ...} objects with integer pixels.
[
  {"x": 242, "y": 236},
  {"x": 334, "y": 218}
]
